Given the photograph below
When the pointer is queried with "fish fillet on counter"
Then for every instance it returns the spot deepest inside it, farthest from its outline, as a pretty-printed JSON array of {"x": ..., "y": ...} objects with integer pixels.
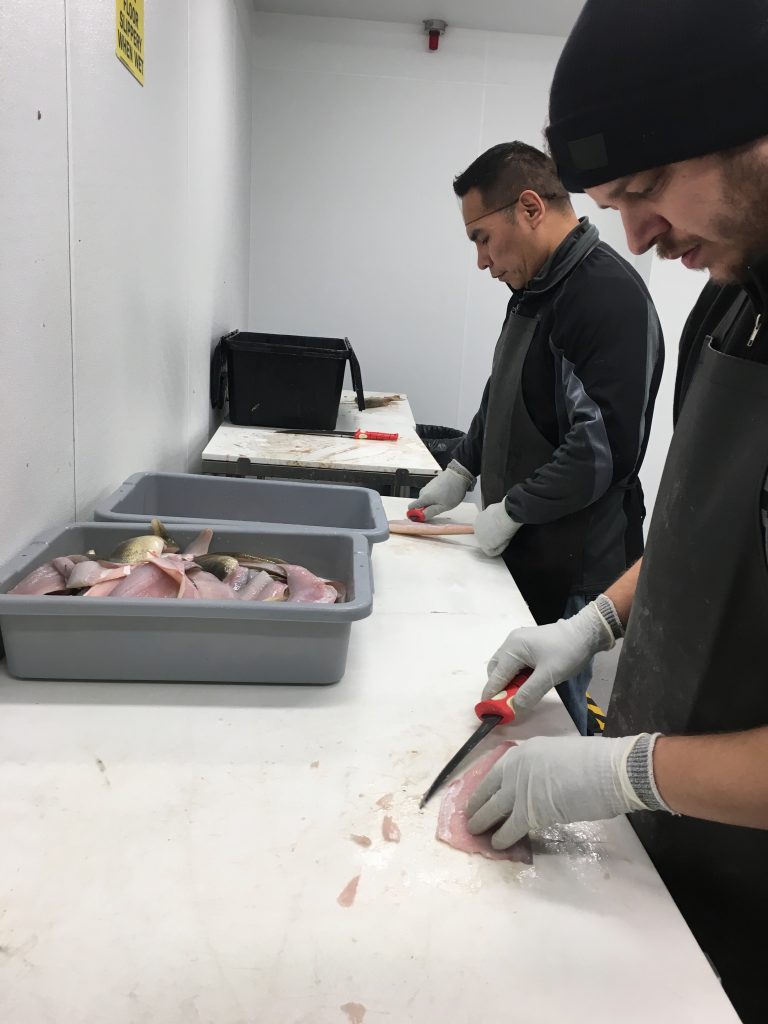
[{"x": 452, "y": 818}]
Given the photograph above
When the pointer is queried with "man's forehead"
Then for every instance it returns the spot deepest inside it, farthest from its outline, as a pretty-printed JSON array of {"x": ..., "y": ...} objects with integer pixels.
[{"x": 473, "y": 207}]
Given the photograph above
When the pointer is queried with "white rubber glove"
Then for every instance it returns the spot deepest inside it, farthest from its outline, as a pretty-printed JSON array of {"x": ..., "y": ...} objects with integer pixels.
[
  {"x": 446, "y": 491},
  {"x": 551, "y": 780},
  {"x": 555, "y": 652},
  {"x": 494, "y": 529}
]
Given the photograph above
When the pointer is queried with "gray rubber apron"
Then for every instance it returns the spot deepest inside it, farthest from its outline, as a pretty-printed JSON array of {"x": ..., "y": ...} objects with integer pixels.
[
  {"x": 694, "y": 657},
  {"x": 544, "y": 560}
]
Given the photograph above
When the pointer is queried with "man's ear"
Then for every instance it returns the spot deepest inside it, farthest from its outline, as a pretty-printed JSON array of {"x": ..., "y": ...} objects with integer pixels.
[{"x": 531, "y": 208}]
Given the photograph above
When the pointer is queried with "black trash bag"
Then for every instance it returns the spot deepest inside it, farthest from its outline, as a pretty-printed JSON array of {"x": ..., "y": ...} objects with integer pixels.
[{"x": 441, "y": 442}]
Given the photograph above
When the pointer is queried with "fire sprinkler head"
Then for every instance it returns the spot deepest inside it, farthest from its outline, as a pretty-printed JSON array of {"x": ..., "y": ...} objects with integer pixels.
[{"x": 434, "y": 27}]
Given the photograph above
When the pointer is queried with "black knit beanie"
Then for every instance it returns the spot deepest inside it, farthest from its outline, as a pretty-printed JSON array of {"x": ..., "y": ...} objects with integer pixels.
[{"x": 643, "y": 83}]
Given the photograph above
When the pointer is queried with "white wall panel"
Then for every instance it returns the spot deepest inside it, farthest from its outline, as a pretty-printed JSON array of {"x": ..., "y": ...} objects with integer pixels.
[
  {"x": 106, "y": 329},
  {"x": 219, "y": 196},
  {"x": 128, "y": 151},
  {"x": 356, "y": 229},
  {"x": 36, "y": 452}
]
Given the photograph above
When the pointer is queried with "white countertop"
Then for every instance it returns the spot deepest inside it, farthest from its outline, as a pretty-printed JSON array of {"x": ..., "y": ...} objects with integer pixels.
[
  {"x": 174, "y": 853},
  {"x": 264, "y": 446}
]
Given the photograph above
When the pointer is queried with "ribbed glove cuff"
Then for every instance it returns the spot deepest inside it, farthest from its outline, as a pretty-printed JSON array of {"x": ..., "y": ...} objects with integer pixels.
[
  {"x": 639, "y": 766},
  {"x": 458, "y": 468},
  {"x": 607, "y": 609}
]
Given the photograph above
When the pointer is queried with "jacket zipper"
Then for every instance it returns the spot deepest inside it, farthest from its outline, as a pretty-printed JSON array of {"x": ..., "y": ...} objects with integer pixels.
[{"x": 755, "y": 329}]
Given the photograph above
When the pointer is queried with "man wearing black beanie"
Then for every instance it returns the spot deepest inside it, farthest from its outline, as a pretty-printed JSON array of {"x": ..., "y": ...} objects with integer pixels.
[{"x": 658, "y": 109}]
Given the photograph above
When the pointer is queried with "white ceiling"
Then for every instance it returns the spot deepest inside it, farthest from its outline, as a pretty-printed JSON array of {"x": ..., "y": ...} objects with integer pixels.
[{"x": 544, "y": 17}]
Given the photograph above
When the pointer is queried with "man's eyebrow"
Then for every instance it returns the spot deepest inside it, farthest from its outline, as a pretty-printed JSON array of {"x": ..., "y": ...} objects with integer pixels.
[
  {"x": 620, "y": 187},
  {"x": 474, "y": 234},
  {"x": 618, "y": 190}
]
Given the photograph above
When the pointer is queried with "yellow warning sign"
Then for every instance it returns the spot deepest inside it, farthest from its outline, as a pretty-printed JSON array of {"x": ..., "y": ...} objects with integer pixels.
[{"x": 129, "y": 26}]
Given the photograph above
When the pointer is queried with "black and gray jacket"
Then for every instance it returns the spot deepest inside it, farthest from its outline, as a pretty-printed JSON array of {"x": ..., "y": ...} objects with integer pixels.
[{"x": 589, "y": 384}]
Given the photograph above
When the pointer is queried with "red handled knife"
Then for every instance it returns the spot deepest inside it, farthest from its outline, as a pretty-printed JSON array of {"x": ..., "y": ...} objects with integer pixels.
[{"x": 358, "y": 435}]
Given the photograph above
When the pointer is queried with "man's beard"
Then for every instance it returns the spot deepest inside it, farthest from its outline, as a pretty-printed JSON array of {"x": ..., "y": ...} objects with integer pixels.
[{"x": 740, "y": 230}]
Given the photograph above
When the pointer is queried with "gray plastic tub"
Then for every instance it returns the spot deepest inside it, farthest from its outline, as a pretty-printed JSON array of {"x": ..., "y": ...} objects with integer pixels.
[
  {"x": 65, "y": 637},
  {"x": 196, "y": 498}
]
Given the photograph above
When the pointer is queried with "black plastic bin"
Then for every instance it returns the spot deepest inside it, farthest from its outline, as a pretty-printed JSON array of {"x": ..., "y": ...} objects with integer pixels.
[
  {"x": 282, "y": 380},
  {"x": 441, "y": 442}
]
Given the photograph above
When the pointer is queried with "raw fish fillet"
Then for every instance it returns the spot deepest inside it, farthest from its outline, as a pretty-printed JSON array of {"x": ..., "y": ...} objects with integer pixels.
[
  {"x": 175, "y": 566},
  {"x": 429, "y": 529},
  {"x": 340, "y": 588},
  {"x": 258, "y": 581},
  {"x": 146, "y": 581},
  {"x": 43, "y": 580},
  {"x": 88, "y": 574},
  {"x": 64, "y": 565},
  {"x": 452, "y": 819},
  {"x": 209, "y": 587},
  {"x": 274, "y": 591},
  {"x": 201, "y": 543},
  {"x": 238, "y": 578},
  {"x": 101, "y": 589},
  {"x": 306, "y": 588}
]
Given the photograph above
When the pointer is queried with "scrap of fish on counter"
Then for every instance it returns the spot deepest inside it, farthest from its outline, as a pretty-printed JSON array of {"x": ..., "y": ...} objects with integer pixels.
[
  {"x": 452, "y": 819},
  {"x": 431, "y": 529},
  {"x": 153, "y": 566}
]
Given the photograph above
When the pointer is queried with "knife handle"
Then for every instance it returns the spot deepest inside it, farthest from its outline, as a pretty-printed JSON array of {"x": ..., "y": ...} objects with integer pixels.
[
  {"x": 501, "y": 704},
  {"x": 374, "y": 435}
]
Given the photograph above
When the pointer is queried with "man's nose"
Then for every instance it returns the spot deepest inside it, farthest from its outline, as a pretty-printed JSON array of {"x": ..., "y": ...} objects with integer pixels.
[
  {"x": 484, "y": 261},
  {"x": 643, "y": 228}
]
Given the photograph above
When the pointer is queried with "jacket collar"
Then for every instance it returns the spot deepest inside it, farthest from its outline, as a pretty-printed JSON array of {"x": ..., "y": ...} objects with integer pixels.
[
  {"x": 574, "y": 247},
  {"x": 756, "y": 284}
]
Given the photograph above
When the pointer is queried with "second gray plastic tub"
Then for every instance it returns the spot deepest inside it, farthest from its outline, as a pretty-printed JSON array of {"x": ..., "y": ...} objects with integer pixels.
[
  {"x": 106, "y": 638},
  {"x": 197, "y": 498}
]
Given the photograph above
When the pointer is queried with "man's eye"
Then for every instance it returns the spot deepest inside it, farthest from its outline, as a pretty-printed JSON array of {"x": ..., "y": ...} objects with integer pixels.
[{"x": 647, "y": 188}]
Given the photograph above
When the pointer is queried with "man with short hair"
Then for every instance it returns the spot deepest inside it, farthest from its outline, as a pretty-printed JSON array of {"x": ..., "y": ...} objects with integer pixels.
[
  {"x": 679, "y": 145},
  {"x": 564, "y": 421}
]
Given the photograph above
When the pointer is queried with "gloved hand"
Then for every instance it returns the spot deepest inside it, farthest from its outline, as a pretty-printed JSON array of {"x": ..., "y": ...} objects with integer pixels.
[
  {"x": 555, "y": 652},
  {"x": 494, "y": 529},
  {"x": 550, "y": 780},
  {"x": 446, "y": 491}
]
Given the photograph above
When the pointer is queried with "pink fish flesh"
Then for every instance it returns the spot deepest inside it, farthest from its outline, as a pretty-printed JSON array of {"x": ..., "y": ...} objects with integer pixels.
[
  {"x": 347, "y": 895},
  {"x": 43, "y": 580},
  {"x": 147, "y": 580},
  {"x": 452, "y": 819},
  {"x": 257, "y": 583},
  {"x": 200, "y": 544},
  {"x": 88, "y": 574},
  {"x": 238, "y": 578},
  {"x": 429, "y": 529},
  {"x": 65, "y": 565},
  {"x": 390, "y": 830},
  {"x": 101, "y": 589},
  {"x": 340, "y": 588},
  {"x": 175, "y": 566},
  {"x": 306, "y": 588},
  {"x": 170, "y": 574},
  {"x": 209, "y": 587}
]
